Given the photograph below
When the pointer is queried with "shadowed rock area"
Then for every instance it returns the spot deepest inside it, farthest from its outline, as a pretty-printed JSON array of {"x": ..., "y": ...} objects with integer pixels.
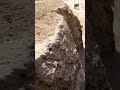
[
  {"x": 16, "y": 44},
  {"x": 100, "y": 44}
]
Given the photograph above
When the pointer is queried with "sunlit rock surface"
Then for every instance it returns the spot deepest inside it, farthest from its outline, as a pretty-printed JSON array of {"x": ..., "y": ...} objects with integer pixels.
[{"x": 58, "y": 62}]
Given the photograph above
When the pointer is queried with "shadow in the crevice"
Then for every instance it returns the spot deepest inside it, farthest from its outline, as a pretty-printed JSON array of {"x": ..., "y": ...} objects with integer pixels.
[
  {"x": 19, "y": 78},
  {"x": 112, "y": 64},
  {"x": 116, "y": 70},
  {"x": 82, "y": 56}
]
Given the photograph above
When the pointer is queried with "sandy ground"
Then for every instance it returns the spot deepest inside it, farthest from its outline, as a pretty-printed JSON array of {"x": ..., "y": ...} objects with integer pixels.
[
  {"x": 45, "y": 22},
  {"x": 45, "y": 19}
]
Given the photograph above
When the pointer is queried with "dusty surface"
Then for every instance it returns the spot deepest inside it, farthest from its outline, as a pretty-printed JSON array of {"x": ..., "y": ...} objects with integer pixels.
[
  {"x": 11, "y": 43},
  {"x": 16, "y": 42},
  {"x": 56, "y": 49},
  {"x": 45, "y": 23},
  {"x": 60, "y": 62},
  {"x": 45, "y": 19}
]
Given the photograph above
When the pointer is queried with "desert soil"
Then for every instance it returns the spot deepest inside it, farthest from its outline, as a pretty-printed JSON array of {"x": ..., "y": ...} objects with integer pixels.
[{"x": 45, "y": 19}]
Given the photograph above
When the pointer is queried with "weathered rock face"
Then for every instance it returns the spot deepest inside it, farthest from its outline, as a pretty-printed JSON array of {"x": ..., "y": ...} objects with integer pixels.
[
  {"x": 78, "y": 11},
  {"x": 103, "y": 24},
  {"x": 16, "y": 43},
  {"x": 57, "y": 58},
  {"x": 94, "y": 69},
  {"x": 76, "y": 30},
  {"x": 99, "y": 42},
  {"x": 116, "y": 57},
  {"x": 61, "y": 62}
]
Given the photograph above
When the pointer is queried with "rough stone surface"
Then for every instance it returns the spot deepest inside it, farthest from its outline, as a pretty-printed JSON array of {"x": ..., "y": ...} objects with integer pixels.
[
  {"x": 80, "y": 13},
  {"x": 57, "y": 59},
  {"x": 99, "y": 43},
  {"x": 16, "y": 43},
  {"x": 61, "y": 62}
]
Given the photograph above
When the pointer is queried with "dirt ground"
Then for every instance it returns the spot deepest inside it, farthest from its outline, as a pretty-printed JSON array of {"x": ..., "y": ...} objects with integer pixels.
[{"x": 45, "y": 19}]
